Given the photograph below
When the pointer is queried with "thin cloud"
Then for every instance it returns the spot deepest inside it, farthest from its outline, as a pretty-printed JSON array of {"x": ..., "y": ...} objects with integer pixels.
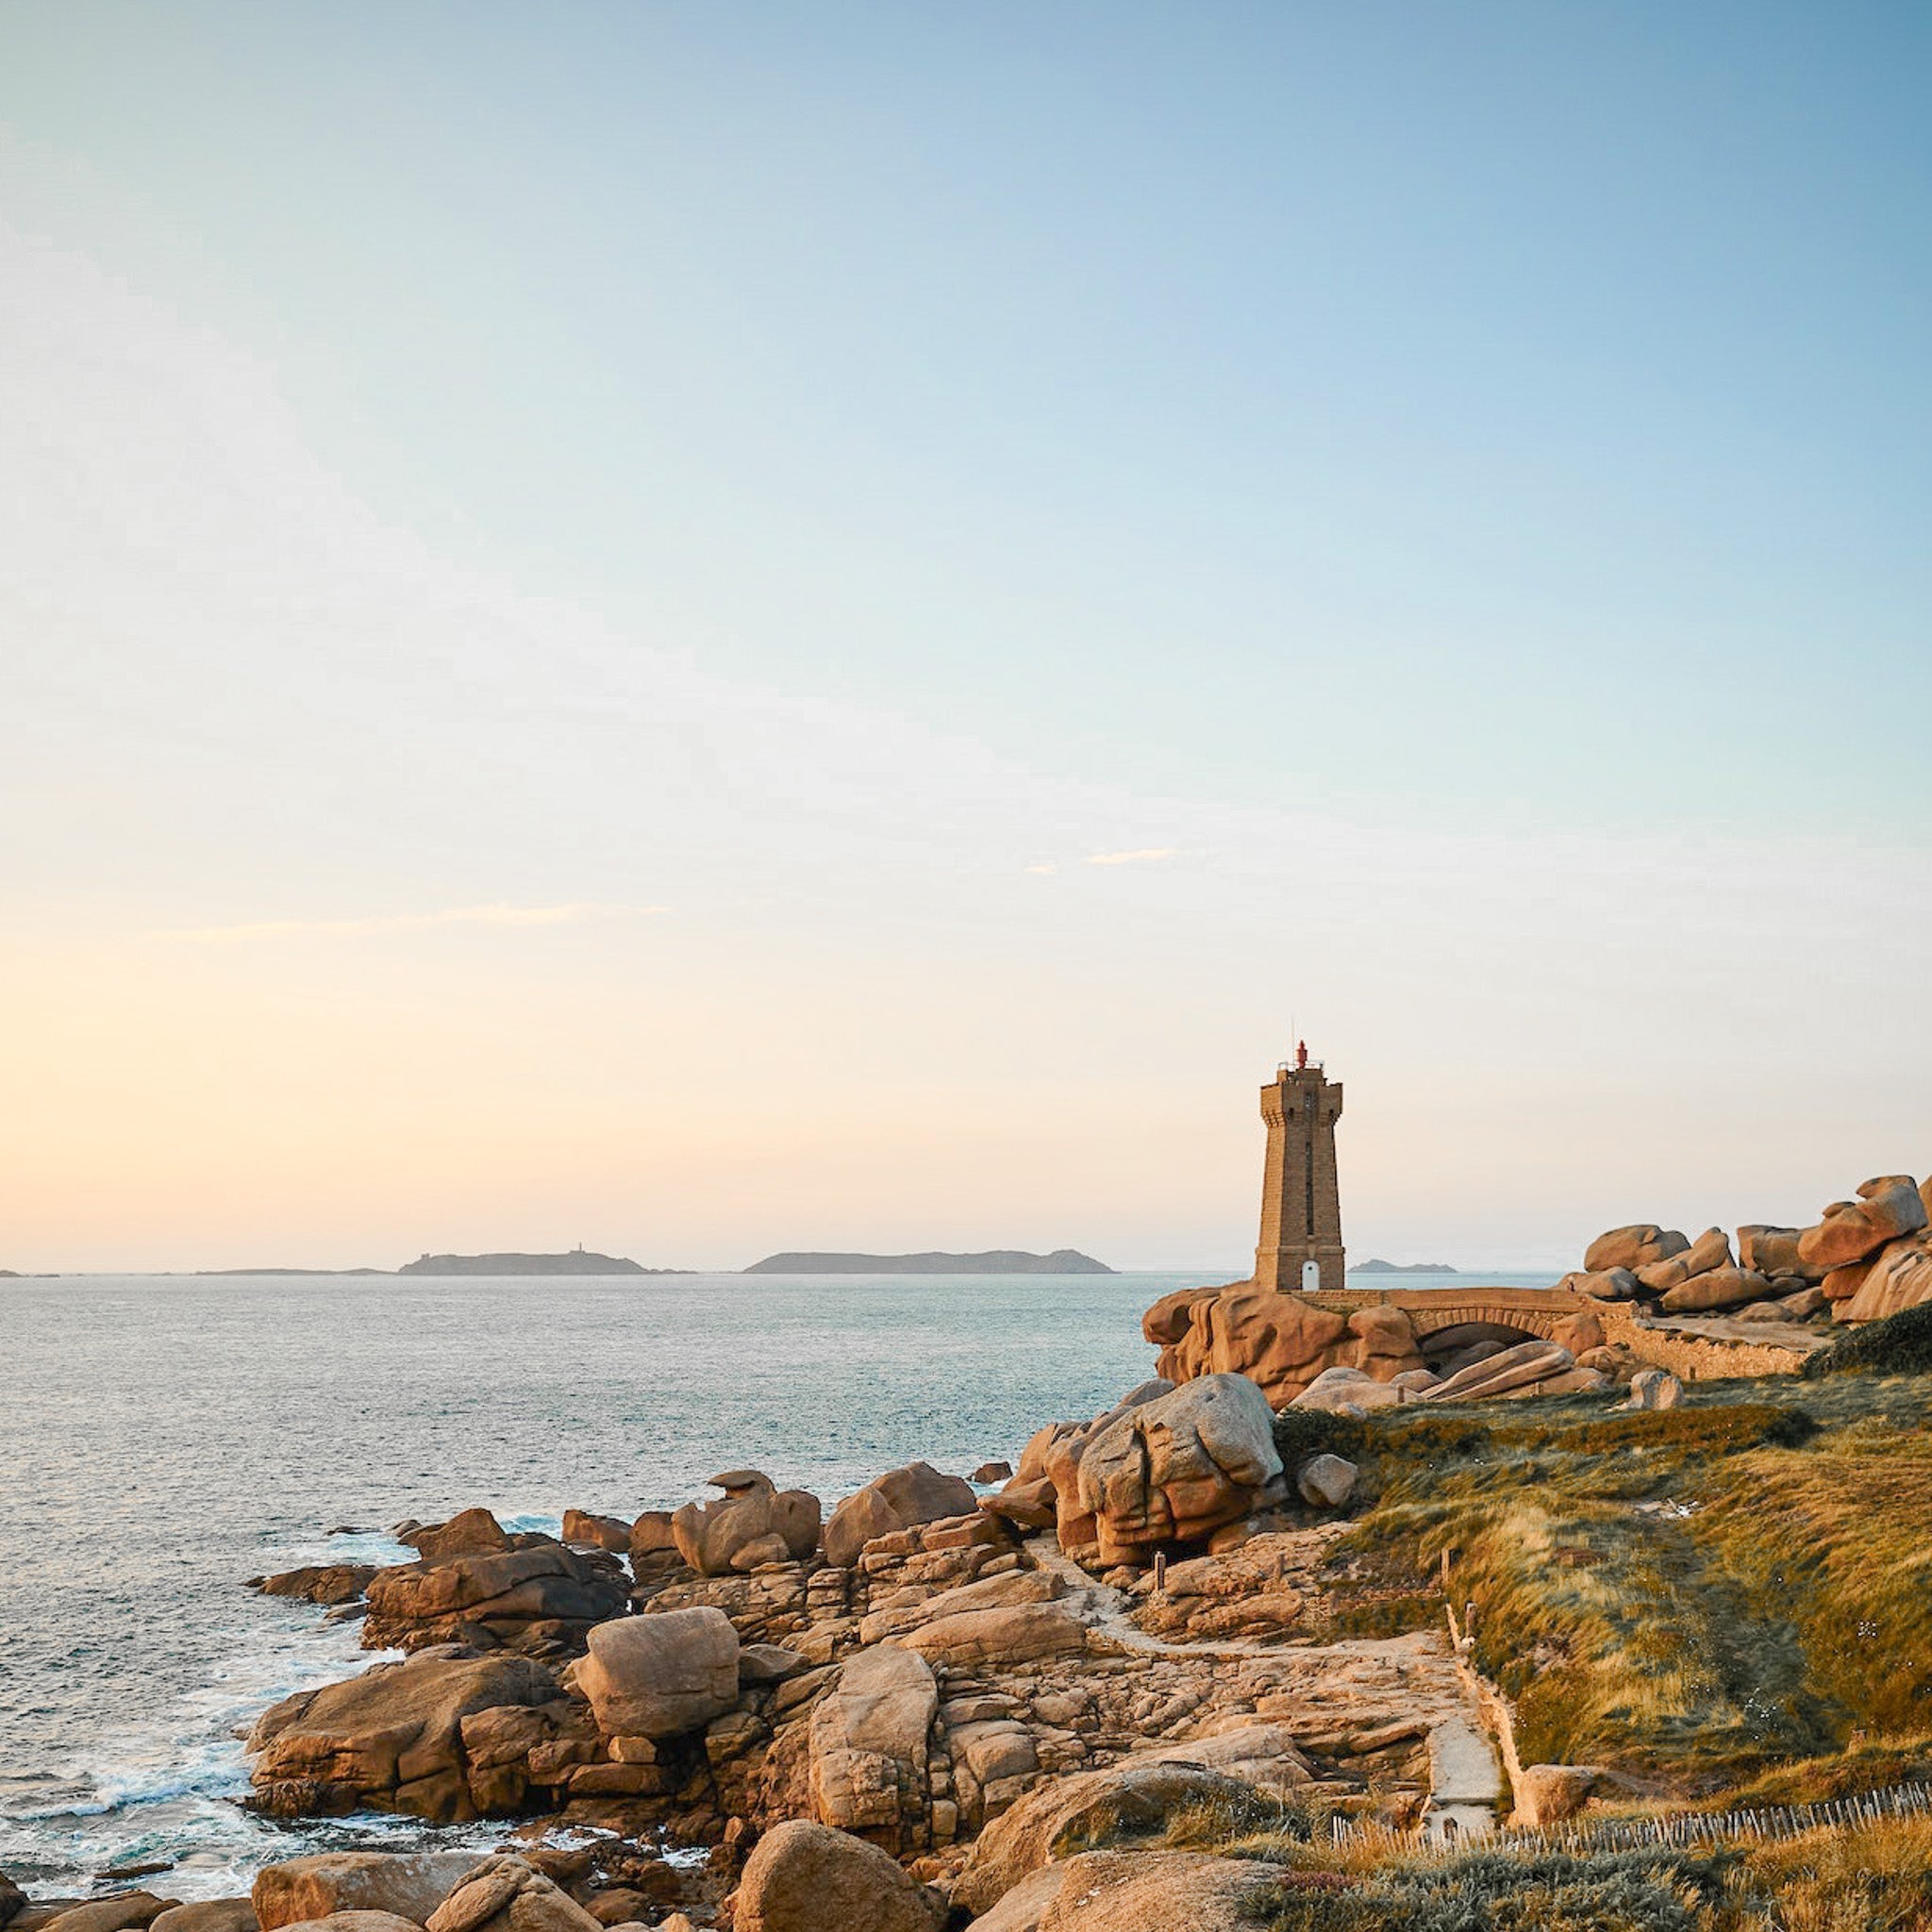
[
  {"x": 567, "y": 914},
  {"x": 1145, "y": 855},
  {"x": 1043, "y": 869}
]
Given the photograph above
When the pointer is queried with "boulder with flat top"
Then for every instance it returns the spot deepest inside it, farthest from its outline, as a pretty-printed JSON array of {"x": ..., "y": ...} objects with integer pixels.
[
  {"x": 540, "y": 1598},
  {"x": 409, "y": 1884},
  {"x": 390, "y": 1739},
  {"x": 1718, "y": 1288}
]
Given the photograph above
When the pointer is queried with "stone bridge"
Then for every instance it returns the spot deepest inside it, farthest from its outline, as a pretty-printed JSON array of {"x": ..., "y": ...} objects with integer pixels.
[
  {"x": 1283, "y": 1341},
  {"x": 1529, "y": 1311}
]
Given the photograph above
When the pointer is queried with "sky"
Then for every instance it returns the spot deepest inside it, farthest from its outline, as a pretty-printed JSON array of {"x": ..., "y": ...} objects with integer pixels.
[{"x": 709, "y": 629}]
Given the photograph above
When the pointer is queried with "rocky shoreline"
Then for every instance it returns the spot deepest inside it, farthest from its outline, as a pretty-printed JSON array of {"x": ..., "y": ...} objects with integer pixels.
[{"x": 944, "y": 1702}]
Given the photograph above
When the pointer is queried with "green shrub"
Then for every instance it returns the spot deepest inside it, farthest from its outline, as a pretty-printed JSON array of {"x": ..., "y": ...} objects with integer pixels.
[
  {"x": 1899, "y": 1345},
  {"x": 1300, "y": 1433}
]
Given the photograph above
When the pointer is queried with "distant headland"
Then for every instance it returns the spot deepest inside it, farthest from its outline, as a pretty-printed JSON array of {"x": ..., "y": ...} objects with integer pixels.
[
  {"x": 993, "y": 1261},
  {"x": 1403, "y": 1268}
]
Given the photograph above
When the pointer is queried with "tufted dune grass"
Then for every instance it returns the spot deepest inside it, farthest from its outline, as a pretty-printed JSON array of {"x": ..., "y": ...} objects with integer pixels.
[{"x": 1734, "y": 1595}]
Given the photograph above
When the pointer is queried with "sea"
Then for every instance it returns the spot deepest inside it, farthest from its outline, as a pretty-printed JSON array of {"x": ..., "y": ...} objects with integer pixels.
[{"x": 164, "y": 1438}]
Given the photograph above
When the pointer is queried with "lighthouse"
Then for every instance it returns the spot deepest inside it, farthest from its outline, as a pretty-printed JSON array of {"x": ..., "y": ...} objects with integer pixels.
[{"x": 1300, "y": 1248}]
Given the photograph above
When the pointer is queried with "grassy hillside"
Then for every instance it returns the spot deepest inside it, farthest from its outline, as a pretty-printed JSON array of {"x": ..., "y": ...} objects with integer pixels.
[{"x": 1728, "y": 1593}]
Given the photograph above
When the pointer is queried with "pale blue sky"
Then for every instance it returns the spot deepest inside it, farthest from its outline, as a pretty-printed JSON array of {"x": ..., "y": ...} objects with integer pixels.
[{"x": 1471, "y": 457}]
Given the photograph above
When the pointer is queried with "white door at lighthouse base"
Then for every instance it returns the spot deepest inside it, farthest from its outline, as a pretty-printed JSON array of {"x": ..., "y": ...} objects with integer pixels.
[{"x": 1311, "y": 1277}]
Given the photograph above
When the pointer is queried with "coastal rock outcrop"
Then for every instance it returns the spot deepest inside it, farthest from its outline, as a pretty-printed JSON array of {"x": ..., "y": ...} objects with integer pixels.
[
  {"x": 206, "y": 1915},
  {"x": 469, "y": 1533},
  {"x": 1352, "y": 1391},
  {"x": 898, "y": 1500},
  {"x": 507, "y": 1895},
  {"x": 1531, "y": 1368},
  {"x": 583, "y": 1527},
  {"x": 1886, "y": 1209},
  {"x": 1046, "y": 1488},
  {"x": 754, "y": 1523},
  {"x": 1278, "y": 1341},
  {"x": 1605, "y": 1285},
  {"x": 1774, "y": 1252},
  {"x": 353, "y": 1922},
  {"x": 126, "y": 1911},
  {"x": 330, "y": 1584},
  {"x": 1655, "y": 1389},
  {"x": 657, "y": 1676},
  {"x": 1711, "y": 1250},
  {"x": 808, "y": 1877},
  {"x": 1776, "y": 1274},
  {"x": 871, "y": 1748},
  {"x": 1265, "y": 1756},
  {"x": 1134, "y": 1892},
  {"x": 540, "y": 1597},
  {"x": 1001, "y": 1634},
  {"x": 1385, "y": 1343},
  {"x": 1004, "y": 1590},
  {"x": 1131, "y": 1796},
  {"x": 1716, "y": 1288},
  {"x": 1899, "y": 1278},
  {"x": 391, "y": 1739},
  {"x": 1176, "y": 1468},
  {"x": 1326, "y": 1481},
  {"x": 409, "y": 1884},
  {"x": 1635, "y": 1247}
]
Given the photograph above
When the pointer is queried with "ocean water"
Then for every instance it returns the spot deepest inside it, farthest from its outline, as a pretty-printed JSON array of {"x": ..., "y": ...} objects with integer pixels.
[{"x": 163, "y": 1439}]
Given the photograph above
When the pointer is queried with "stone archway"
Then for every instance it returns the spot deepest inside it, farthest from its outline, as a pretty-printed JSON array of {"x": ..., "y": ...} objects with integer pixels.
[{"x": 1283, "y": 1341}]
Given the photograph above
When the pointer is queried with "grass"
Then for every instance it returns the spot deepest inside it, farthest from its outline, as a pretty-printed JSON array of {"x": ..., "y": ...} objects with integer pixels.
[
  {"x": 1875, "y": 1878},
  {"x": 1497, "y": 1891},
  {"x": 1707, "y": 1599}
]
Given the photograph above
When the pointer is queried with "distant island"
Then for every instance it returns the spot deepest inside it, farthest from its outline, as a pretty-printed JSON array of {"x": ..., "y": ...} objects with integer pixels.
[
  {"x": 994, "y": 1262},
  {"x": 1403, "y": 1268},
  {"x": 579, "y": 1262}
]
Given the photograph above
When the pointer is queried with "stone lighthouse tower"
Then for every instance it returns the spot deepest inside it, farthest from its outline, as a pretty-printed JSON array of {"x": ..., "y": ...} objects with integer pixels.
[{"x": 1301, "y": 1200}]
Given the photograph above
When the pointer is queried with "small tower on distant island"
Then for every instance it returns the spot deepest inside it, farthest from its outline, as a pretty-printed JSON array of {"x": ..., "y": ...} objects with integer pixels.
[{"x": 1301, "y": 1198}]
